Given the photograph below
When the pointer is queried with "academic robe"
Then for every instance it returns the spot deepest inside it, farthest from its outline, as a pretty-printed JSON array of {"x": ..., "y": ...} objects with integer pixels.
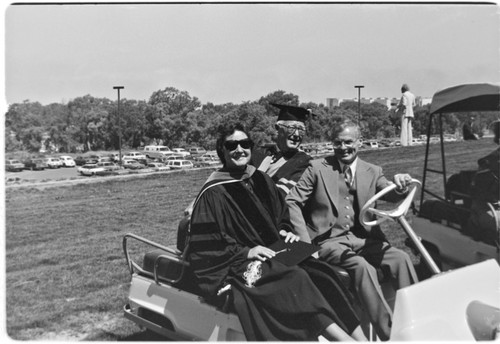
[
  {"x": 288, "y": 170},
  {"x": 234, "y": 213}
]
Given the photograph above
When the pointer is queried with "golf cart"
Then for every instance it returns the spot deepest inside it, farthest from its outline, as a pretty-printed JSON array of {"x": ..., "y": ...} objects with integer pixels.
[
  {"x": 458, "y": 305},
  {"x": 462, "y": 304},
  {"x": 441, "y": 218}
]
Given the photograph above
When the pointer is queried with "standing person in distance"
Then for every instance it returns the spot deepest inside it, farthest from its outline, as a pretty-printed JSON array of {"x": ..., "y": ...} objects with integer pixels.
[{"x": 405, "y": 109}]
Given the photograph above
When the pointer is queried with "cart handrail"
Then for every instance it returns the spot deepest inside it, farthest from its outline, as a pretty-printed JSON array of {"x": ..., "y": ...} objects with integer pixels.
[
  {"x": 171, "y": 254},
  {"x": 179, "y": 260}
]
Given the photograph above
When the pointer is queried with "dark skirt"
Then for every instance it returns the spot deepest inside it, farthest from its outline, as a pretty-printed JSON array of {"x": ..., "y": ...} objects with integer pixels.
[{"x": 284, "y": 304}]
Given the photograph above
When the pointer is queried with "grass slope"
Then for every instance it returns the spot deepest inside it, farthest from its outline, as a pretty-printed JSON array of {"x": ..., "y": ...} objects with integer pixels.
[{"x": 66, "y": 276}]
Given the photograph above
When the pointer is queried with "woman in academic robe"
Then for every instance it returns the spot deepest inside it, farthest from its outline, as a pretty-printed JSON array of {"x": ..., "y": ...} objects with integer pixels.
[{"x": 237, "y": 215}]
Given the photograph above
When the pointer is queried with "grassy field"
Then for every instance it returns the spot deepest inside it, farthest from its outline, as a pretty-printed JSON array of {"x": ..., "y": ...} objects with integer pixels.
[{"x": 66, "y": 277}]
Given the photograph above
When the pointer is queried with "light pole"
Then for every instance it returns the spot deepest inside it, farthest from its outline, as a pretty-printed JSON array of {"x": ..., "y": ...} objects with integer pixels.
[
  {"x": 118, "y": 88},
  {"x": 359, "y": 87}
]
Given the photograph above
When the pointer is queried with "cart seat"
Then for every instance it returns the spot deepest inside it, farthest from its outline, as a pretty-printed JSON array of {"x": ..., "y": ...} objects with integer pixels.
[
  {"x": 452, "y": 215},
  {"x": 171, "y": 270}
]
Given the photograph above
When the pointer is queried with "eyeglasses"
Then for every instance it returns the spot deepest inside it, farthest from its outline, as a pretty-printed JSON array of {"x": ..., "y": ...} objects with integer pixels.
[
  {"x": 347, "y": 143},
  {"x": 232, "y": 145},
  {"x": 290, "y": 130}
]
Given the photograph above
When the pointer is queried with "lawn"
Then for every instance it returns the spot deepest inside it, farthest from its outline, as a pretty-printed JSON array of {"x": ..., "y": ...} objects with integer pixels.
[{"x": 66, "y": 277}]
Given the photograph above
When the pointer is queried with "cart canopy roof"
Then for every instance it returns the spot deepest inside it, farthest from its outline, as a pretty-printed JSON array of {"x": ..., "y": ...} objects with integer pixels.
[{"x": 467, "y": 97}]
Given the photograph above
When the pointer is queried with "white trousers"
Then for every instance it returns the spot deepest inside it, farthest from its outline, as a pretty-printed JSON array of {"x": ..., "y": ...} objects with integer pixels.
[{"x": 406, "y": 131}]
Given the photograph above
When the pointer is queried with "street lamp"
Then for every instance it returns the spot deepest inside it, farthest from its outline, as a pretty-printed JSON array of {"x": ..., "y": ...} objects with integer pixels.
[
  {"x": 359, "y": 87},
  {"x": 118, "y": 88}
]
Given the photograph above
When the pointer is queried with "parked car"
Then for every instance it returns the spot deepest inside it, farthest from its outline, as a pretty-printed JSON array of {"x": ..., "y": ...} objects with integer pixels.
[
  {"x": 386, "y": 143},
  {"x": 328, "y": 148},
  {"x": 134, "y": 156},
  {"x": 89, "y": 169},
  {"x": 434, "y": 139},
  {"x": 180, "y": 164},
  {"x": 158, "y": 166},
  {"x": 170, "y": 156},
  {"x": 206, "y": 161},
  {"x": 13, "y": 165},
  {"x": 211, "y": 154},
  {"x": 196, "y": 151},
  {"x": 181, "y": 151},
  {"x": 91, "y": 159},
  {"x": 80, "y": 160},
  {"x": 35, "y": 164},
  {"x": 449, "y": 138},
  {"x": 371, "y": 144},
  {"x": 418, "y": 141},
  {"x": 174, "y": 157},
  {"x": 67, "y": 161},
  {"x": 108, "y": 165},
  {"x": 94, "y": 157},
  {"x": 132, "y": 164},
  {"x": 53, "y": 162},
  {"x": 156, "y": 151}
]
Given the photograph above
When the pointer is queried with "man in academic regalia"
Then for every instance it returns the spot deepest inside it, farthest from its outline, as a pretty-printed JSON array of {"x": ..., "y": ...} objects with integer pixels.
[{"x": 286, "y": 164}]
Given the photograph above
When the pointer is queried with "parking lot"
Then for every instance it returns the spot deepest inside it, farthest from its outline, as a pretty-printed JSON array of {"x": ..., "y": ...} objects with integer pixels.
[{"x": 47, "y": 174}]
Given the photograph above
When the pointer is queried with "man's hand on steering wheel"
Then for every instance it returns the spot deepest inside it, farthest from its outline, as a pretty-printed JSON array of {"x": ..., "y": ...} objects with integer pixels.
[{"x": 402, "y": 181}]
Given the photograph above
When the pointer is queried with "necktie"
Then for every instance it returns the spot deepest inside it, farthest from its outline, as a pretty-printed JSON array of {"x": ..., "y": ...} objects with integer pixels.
[{"x": 348, "y": 175}]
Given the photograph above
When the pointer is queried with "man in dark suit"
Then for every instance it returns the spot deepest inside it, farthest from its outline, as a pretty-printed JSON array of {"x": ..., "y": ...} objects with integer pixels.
[{"x": 324, "y": 209}]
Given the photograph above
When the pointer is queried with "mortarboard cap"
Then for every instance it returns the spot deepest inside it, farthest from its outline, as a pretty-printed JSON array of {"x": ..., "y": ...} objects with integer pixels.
[
  {"x": 292, "y": 253},
  {"x": 292, "y": 113}
]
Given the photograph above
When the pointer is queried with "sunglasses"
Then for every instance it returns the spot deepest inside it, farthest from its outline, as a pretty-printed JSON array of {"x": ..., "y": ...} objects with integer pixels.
[
  {"x": 232, "y": 145},
  {"x": 290, "y": 130}
]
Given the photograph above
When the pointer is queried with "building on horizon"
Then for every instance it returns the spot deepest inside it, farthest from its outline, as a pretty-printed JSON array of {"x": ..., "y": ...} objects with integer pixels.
[{"x": 390, "y": 103}]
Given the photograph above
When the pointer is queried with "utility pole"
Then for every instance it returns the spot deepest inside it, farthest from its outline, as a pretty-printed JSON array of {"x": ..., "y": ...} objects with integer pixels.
[
  {"x": 359, "y": 87},
  {"x": 118, "y": 88}
]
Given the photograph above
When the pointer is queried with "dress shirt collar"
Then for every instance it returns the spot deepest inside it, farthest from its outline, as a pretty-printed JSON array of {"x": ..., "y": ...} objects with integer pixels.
[{"x": 353, "y": 166}]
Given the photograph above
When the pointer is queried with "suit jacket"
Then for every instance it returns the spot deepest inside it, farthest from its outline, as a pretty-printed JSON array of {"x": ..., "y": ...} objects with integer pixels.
[
  {"x": 406, "y": 103},
  {"x": 313, "y": 200}
]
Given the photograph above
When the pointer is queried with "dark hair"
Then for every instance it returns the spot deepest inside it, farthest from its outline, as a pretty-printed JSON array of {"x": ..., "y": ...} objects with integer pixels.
[
  {"x": 224, "y": 131},
  {"x": 405, "y": 88}
]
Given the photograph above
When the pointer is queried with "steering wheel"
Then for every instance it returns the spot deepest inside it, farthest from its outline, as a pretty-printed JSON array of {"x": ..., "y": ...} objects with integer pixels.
[
  {"x": 398, "y": 214},
  {"x": 384, "y": 215}
]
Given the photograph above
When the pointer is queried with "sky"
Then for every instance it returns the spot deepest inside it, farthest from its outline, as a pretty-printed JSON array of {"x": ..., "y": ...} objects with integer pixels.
[{"x": 222, "y": 53}]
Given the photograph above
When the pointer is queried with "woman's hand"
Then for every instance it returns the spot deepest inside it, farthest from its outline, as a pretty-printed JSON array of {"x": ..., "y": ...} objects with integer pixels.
[
  {"x": 260, "y": 253},
  {"x": 289, "y": 236}
]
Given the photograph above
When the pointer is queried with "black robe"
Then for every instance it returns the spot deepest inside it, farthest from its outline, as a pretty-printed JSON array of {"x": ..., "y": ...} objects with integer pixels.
[
  {"x": 287, "y": 176},
  {"x": 273, "y": 301}
]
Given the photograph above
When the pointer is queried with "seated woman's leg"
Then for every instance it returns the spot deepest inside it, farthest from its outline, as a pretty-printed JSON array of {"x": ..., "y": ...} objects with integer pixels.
[
  {"x": 284, "y": 304},
  {"x": 335, "y": 333}
]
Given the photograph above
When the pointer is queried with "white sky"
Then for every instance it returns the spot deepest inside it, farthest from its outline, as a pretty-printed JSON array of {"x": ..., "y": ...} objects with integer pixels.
[{"x": 241, "y": 52}]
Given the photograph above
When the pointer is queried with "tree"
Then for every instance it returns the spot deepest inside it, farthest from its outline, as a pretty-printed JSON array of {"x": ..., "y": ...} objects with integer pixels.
[
  {"x": 25, "y": 120},
  {"x": 167, "y": 115},
  {"x": 90, "y": 116},
  {"x": 60, "y": 130},
  {"x": 131, "y": 122}
]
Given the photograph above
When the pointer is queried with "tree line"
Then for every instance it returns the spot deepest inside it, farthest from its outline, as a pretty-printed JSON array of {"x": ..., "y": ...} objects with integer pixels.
[{"x": 176, "y": 119}]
